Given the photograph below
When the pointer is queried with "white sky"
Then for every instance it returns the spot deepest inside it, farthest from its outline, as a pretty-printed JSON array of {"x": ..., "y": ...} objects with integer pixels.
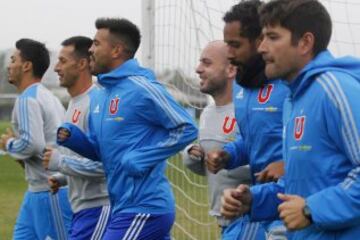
[{"x": 52, "y": 21}]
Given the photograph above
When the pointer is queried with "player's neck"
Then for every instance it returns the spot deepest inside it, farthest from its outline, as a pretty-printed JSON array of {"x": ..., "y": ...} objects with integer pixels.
[
  {"x": 26, "y": 82},
  {"x": 222, "y": 99},
  {"x": 223, "y": 96},
  {"x": 80, "y": 87},
  {"x": 117, "y": 63}
]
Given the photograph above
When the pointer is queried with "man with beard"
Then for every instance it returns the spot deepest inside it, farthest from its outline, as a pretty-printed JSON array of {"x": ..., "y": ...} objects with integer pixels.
[
  {"x": 87, "y": 186},
  {"x": 258, "y": 103},
  {"x": 217, "y": 127},
  {"x": 135, "y": 125},
  {"x": 36, "y": 116},
  {"x": 319, "y": 197}
]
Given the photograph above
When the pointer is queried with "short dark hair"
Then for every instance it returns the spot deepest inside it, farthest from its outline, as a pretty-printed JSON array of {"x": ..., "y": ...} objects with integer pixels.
[
  {"x": 81, "y": 45},
  {"x": 36, "y": 53},
  {"x": 127, "y": 32},
  {"x": 300, "y": 17},
  {"x": 246, "y": 12}
]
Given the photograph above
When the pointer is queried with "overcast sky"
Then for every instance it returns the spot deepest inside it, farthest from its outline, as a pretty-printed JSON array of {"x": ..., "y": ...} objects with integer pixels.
[{"x": 51, "y": 21}]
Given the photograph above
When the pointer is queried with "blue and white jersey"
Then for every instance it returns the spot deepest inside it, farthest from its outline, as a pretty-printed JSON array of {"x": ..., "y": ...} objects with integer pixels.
[
  {"x": 35, "y": 118},
  {"x": 322, "y": 149},
  {"x": 85, "y": 177},
  {"x": 135, "y": 126},
  {"x": 258, "y": 113}
]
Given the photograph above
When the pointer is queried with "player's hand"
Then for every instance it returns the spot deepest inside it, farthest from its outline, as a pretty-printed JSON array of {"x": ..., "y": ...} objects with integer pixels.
[
  {"x": 196, "y": 152},
  {"x": 47, "y": 157},
  {"x": 236, "y": 202},
  {"x": 54, "y": 185},
  {"x": 5, "y": 137},
  {"x": 271, "y": 173},
  {"x": 217, "y": 160},
  {"x": 291, "y": 212},
  {"x": 63, "y": 134}
]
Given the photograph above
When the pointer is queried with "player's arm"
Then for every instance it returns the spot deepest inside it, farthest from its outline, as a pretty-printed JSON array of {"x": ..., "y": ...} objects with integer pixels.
[
  {"x": 160, "y": 109},
  {"x": 71, "y": 165},
  {"x": 56, "y": 181},
  {"x": 193, "y": 158},
  {"x": 260, "y": 202},
  {"x": 265, "y": 201},
  {"x": 231, "y": 156},
  {"x": 338, "y": 207},
  {"x": 237, "y": 153},
  {"x": 72, "y": 137},
  {"x": 30, "y": 140},
  {"x": 271, "y": 172}
]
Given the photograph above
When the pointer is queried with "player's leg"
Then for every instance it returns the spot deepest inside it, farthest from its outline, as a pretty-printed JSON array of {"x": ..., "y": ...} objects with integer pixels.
[
  {"x": 140, "y": 226},
  {"x": 52, "y": 215},
  {"x": 47, "y": 220},
  {"x": 65, "y": 208},
  {"x": 90, "y": 224},
  {"x": 23, "y": 229}
]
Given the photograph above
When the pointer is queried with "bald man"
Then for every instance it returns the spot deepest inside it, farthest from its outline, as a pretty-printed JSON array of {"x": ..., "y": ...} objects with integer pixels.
[{"x": 217, "y": 126}]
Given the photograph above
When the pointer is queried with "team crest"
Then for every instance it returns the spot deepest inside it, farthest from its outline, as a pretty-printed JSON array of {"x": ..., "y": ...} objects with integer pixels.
[
  {"x": 75, "y": 116},
  {"x": 114, "y": 105},
  {"x": 264, "y": 93},
  {"x": 299, "y": 127},
  {"x": 228, "y": 126}
]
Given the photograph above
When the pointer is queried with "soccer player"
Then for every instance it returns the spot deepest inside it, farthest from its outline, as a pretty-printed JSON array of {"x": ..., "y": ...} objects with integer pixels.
[
  {"x": 135, "y": 125},
  {"x": 258, "y": 104},
  {"x": 36, "y": 116},
  {"x": 322, "y": 118},
  {"x": 217, "y": 127},
  {"x": 87, "y": 187}
]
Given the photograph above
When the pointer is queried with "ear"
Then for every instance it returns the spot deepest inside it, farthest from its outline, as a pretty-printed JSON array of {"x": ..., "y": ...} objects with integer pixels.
[
  {"x": 83, "y": 63},
  {"x": 306, "y": 44},
  {"x": 117, "y": 51},
  {"x": 231, "y": 71},
  {"x": 27, "y": 66}
]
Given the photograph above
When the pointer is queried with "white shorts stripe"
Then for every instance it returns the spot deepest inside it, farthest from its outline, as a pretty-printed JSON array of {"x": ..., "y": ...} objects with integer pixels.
[
  {"x": 141, "y": 226},
  {"x": 101, "y": 224},
  {"x": 57, "y": 216},
  {"x": 133, "y": 223},
  {"x": 137, "y": 225}
]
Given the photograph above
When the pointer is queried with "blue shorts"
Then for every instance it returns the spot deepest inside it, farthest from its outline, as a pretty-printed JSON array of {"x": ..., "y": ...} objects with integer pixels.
[
  {"x": 139, "y": 226},
  {"x": 43, "y": 215},
  {"x": 90, "y": 223},
  {"x": 243, "y": 229}
]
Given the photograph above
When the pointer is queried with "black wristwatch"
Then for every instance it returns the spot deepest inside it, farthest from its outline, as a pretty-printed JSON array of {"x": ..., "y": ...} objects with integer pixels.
[{"x": 307, "y": 213}]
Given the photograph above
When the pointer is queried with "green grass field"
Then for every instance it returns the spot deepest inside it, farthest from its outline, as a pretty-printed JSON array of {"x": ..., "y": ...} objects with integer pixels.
[
  {"x": 192, "y": 219},
  {"x": 12, "y": 187}
]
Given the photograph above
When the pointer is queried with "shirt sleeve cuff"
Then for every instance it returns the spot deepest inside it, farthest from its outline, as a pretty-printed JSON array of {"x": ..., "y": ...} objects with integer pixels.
[
  {"x": 55, "y": 160},
  {"x": 9, "y": 144}
]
